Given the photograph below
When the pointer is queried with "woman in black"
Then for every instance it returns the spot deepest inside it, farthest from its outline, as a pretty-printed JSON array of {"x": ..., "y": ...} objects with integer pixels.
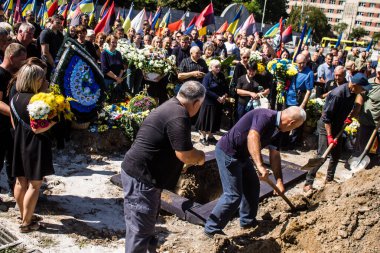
[
  {"x": 87, "y": 45},
  {"x": 210, "y": 114},
  {"x": 249, "y": 89},
  {"x": 32, "y": 159}
]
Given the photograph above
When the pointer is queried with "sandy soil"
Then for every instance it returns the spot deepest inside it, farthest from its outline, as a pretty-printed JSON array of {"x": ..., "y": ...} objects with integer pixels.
[{"x": 83, "y": 212}]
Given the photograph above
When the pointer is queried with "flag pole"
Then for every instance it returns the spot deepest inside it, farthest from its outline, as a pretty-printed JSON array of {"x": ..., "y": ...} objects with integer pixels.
[{"x": 262, "y": 20}]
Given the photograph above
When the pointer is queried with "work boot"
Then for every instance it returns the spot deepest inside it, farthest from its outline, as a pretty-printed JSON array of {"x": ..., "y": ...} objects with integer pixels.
[{"x": 211, "y": 235}]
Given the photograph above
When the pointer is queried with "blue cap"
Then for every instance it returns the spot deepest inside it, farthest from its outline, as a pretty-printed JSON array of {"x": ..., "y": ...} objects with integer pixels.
[{"x": 361, "y": 80}]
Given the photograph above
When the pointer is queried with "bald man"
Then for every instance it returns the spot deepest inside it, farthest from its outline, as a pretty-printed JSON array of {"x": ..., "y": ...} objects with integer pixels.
[
  {"x": 257, "y": 129},
  {"x": 193, "y": 68},
  {"x": 298, "y": 95},
  {"x": 339, "y": 79}
]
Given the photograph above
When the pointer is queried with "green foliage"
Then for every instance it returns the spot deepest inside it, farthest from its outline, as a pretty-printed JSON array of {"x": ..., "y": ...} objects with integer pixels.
[
  {"x": 357, "y": 33},
  {"x": 376, "y": 37},
  {"x": 339, "y": 28},
  {"x": 275, "y": 9},
  {"x": 315, "y": 19}
]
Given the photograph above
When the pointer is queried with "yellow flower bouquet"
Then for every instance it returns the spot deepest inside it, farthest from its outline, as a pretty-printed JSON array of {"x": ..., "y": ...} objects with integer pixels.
[{"x": 43, "y": 108}]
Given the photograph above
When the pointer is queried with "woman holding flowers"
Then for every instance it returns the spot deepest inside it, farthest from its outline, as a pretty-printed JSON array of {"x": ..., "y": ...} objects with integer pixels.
[
  {"x": 32, "y": 158},
  {"x": 210, "y": 114}
]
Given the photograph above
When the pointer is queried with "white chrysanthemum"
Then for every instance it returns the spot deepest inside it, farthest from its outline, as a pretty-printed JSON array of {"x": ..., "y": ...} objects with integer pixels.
[{"x": 38, "y": 110}]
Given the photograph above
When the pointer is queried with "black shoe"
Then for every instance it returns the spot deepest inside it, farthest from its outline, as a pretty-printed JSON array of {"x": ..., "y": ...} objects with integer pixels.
[
  {"x": 253, "y": 224},
  {"x": 204, "y": 142},
  {"x": 212, "y": 140},
  {"x": 211, "y": 235}
]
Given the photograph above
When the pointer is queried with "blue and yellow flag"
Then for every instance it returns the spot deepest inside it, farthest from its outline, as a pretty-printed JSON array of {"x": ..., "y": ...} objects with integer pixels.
[
  {"x": 28, "y": 6},
  {"x": 128, "y": 20},
  {"x": 87, "y": 6},
  {"x": 8, "y": 5},
  {"x": 234, "y": 24}
]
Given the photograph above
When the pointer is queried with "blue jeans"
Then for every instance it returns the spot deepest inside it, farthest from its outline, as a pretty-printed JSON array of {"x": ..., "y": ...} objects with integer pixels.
[
  {"x": 240, "y": 111},
  {"x": 241, "y": 188},
  {"x": 141, "y": 206}
]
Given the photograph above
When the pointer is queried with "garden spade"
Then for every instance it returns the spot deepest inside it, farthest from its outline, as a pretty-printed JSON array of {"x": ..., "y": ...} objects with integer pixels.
[
  {"x": 361, "y": 162},
  {"x": 314, "y": 163}
]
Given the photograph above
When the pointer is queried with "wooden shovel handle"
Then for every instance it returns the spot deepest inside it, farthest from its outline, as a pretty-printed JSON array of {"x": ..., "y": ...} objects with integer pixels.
[
  {"x": 280, "y": 193},
  {"x": 369, "y": 144},
  {"x": 328, "y": 150}
]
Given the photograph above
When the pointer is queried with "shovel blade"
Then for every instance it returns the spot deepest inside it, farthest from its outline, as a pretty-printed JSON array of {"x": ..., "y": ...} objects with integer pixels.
[
  {"x": 313, "y": 163},
  {"x": 357, "y": 165}
]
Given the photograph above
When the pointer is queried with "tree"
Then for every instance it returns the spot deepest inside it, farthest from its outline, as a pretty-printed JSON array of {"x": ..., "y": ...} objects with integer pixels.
[
  {"x": 339, "y": 28},
  {"x": 314, "y": 18},
  {"x": 376, "y": 37},
  {"x": 357, "y": 33},
  {"x": 275, "y": 9}
]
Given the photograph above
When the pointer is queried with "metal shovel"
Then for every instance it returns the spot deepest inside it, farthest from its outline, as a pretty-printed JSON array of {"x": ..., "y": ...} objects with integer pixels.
[
  {"x": 361, "y": 162},
  {"x": 314, "y": 163}
]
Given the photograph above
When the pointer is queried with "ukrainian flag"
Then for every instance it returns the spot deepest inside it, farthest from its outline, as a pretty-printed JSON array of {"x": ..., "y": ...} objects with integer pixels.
[
  {"x": 127, "y": 22},
  {"x": 234, "y": 24},
  {"x": 87, "y": 6},
  {"x": 28, "y": 6},
  {"x": 8, "y": 5},
  {"x": 272, "y": 31}
]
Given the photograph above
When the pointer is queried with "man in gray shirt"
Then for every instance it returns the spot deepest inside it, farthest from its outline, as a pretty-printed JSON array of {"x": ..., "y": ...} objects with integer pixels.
[{"x": 326, "y": 70}]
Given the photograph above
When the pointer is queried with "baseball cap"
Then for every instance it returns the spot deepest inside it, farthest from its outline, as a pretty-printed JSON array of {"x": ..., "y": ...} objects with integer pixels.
[{"x": 361, "y": 80}]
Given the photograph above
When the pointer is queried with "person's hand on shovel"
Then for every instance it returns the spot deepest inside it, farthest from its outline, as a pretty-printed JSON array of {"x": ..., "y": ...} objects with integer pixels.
[
  {"x": 280, "y": 186},
  {"x": 331, "y": 140},
  {"x": 263, "y": 173}
]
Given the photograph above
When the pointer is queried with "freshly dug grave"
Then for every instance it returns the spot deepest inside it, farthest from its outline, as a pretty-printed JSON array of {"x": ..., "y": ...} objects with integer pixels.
[{"x": 341, "y": 218}]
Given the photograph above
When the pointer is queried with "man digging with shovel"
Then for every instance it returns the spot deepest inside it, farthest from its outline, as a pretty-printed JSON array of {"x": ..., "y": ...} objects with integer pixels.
[
  {"x": 337, "y": 112},
  {"x": 256, "y": 130}
]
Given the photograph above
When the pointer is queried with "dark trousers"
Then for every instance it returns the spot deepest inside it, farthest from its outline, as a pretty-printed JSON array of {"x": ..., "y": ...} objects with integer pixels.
[
  {"x": 6, "y": 153},
  {"x": 241, "y": 189},
  {"x": 336, "y": 152},
  {"x": 141, "y": 206},
  {"x": 362, "y": 138}
]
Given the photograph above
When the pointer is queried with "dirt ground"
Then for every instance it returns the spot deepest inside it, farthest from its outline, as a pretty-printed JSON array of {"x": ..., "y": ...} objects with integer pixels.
[{"x": 83, "y": 212}]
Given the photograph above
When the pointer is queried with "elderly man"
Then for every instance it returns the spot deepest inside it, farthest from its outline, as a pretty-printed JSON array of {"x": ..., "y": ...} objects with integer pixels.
[
  {"x": 339, "y": 109},
  {"x": 25, "y": 38},
  {"x": 194, "y": 67},
  {"x": 298, "y": 95},
  {"x": 339, "y": 79},
  {"x": 257, "y": 129},
  {"x": 326, "y": 70},
  {"x": 354, "y": 54},
  {"x": 154, "y": 162}
]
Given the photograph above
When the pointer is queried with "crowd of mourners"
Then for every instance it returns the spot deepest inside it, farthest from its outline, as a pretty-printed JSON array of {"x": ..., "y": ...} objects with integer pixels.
[{"x": 349, "y": 81}]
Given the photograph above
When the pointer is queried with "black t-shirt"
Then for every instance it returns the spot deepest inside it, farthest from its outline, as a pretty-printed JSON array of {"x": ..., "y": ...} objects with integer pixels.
[
  {"x": 152, "y": 159},
  {"x": 248, "y": 84},
  {"x": 31, "y": 50},
  {"x": 54, "y": 40},
  {"x": 180, "y": 54},
  {"x": 5, "y": 77},
  {"x": 90, "y": 48},
  {"x": 37, "y": 30}
]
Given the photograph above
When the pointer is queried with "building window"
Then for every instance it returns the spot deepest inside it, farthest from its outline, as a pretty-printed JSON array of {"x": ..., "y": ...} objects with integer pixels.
[
  {"x": 369, "y": 14},
  {"x": 313, "y": 1},
  {"x": 330, "y": 19},
  {"x": 330, "y": 11},
  {"x": 323, "y": 1},
  {"x": 332, "y": 1},
  {"x": 337, "y": 20},
  {"x": 372, "y": 5},
  {"x": 358, "y": 22},
  {"x": 339, "y": 11},
  {"x": 360, "y": 13},
  {"x": 341, "y": 2},
  {"x": 361, "y": 4},
  {"x": 368, "y": 23}
]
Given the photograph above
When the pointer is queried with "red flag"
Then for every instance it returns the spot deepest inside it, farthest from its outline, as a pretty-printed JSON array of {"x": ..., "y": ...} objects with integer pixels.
[
  {"x": 281, "y": 29},
  {"x": 105, "y": 23},
  {"x": 206, "y": 17},
  {"x": 175, "y": 26},
  {"x": 53, "y": 8},
  {"x": 17, "y": 14},
  {"x": 222, "y": 28},
  {"x": 64, "y": 13},
  {"x": 104, "y": 9},
  {"x": 192, "y": 22},
  {"x": 287, "y": 35},
  {"x": 150, "y": 18}
]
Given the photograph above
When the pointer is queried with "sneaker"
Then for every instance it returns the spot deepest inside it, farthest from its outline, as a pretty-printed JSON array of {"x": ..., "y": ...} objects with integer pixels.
[
  {"x": 204, "y": 142},
  {"x": 211, "y": 235}
]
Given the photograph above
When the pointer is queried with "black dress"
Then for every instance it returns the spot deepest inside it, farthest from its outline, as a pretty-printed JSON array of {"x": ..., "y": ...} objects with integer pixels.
[
  {"x": 32, "y": 157},
  {"x": 210, "y": 114}
]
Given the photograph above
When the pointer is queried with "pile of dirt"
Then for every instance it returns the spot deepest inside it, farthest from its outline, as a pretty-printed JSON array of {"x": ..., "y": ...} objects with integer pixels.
[{"x": 341, "y": 218}]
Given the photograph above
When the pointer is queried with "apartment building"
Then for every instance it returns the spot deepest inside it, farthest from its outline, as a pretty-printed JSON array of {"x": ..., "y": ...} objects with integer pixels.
[{"x": 364, "y": 13}]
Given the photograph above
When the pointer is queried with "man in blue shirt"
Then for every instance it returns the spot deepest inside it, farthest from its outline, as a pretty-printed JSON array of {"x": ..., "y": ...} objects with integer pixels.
[
  {"x": 299, "y": 93},
  {"x": 326, "y": 70},
  {"x": 196, "y": 42},
  {"x": 256, "y": 130}
]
